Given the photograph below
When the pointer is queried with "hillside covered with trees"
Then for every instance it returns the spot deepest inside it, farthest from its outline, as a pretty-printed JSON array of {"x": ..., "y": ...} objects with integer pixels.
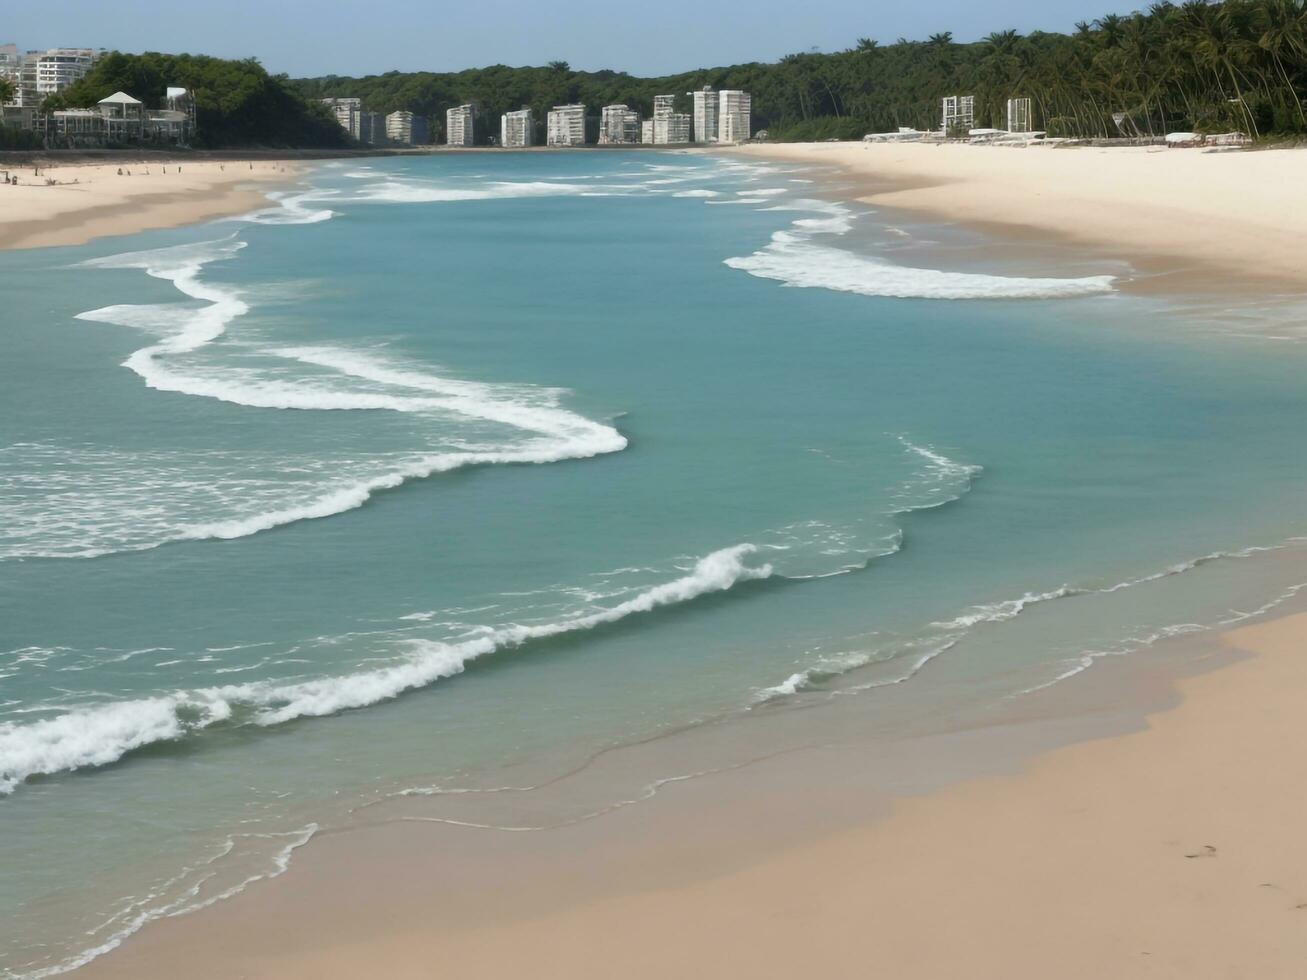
[
  {"x": 237, "y": 103},
  {"x": 1199, "y": 65}
]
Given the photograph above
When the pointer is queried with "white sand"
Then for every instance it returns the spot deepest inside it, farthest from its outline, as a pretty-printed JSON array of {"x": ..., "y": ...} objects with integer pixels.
[
  {"x": 1229, "y": 214},
  {"x": 89, "y": 201}
]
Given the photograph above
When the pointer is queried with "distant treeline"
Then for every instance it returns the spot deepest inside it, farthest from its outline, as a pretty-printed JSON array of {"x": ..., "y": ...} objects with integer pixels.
[
  {"x": 1240, "y": 64},
  {"x": 237, "y": 103}
]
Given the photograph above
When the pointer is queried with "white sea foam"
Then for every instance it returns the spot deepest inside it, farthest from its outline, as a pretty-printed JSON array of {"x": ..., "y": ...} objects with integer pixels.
[
  {"x": 698, "y": 192},
  {"x": 793, "y": 259},
  {"x": 997, "y": 612},
  {"x": 536, "y": 429},
  {"x": 101, "y": 734},
  {"x": 179, "y": 895},
  {"x": 417, "y": 192},
  {"x": 291, "y": 209}
]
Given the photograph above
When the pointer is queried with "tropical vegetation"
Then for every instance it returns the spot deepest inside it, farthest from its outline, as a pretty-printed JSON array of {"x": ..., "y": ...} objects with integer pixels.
[{"x": 1199, "y": 65}]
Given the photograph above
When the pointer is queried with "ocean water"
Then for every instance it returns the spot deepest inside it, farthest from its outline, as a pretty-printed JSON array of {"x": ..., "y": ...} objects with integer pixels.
[{"x": 455, "y": 473}]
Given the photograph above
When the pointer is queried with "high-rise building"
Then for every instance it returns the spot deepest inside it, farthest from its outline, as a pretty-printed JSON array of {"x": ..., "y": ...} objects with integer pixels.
[
  {"x": 734, "y": 110},
  {"x": 349, "y": 113},
  {"x": 619, "y": 124},
  {"x": 646, "y": 131},
  {"x": 669, "y": 126},
  {"x": 58, "y": 68},
  {"x": 705, "y": 114},
  {"x": 517, "y": 128},
  {"x": 399, "y": 127},
  {"x": 565, "y": 126},
  {"x": 36, "y": 75},
  {"x": 460, "y": 123}
]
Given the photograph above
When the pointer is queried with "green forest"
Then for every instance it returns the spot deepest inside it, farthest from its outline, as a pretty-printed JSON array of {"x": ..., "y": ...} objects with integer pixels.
[
  {"x": 1200, "y": 65},
  {"x": 237, "y": 103},
  {"x": 1209, "y": 67}
]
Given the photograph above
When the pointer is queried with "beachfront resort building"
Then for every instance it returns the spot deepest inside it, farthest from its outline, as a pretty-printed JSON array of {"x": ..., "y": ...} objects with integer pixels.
[
  {"x": 460, "y": 125},
  {"x": 705, "y": 114},
  {"x": 646, "y": 131},
  {"x": 407, "y": 129},
  {"x": 124, "y": 117},
  {"x": 175, "y": 122},
  {"x": 734, "y": 116},
  {"x": 618, "y": 124},
  {"x": 669, "y": 126},
  {"x": 565, "y": 126},
  {"x": 959, "y": 115},
  {"x": 399, "y": 127},
  {"x": 121, "y": 119},
  {"x": 58, "y": 68},
  {"x": 348, "y": 113},
  {"x": 517, "y": 128},
  {"x": 1019, "y": 116}
]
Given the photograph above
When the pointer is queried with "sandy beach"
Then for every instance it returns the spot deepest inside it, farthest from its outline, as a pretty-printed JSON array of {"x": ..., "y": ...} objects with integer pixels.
[
  {"x": 1174, "y": 851},
  {"x": 1181, "y": 215},
  {"x": 92, "y": 200},
  {"x": 1152, "y": 830}
]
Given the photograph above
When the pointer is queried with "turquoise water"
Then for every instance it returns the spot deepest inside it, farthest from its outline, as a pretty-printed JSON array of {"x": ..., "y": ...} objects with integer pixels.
[{"x": 454, "y": 472}]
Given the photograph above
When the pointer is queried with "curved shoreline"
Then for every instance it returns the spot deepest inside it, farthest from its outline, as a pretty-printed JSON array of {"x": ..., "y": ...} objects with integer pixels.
[
  {"x": 92, "y": 200},
  {"x": 1151, "y": 840},
  {"x": 738, "y": 876},
  {"x": 1183, "y": 215}
]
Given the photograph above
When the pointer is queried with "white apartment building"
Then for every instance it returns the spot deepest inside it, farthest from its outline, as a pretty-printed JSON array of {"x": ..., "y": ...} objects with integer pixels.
[
  {"x": 58, "y": 68},
  {"x": 705, "y": 114},
  {"x": 517, "y": 129},
  {"x": 460, "y": 123},
  {"x": 399, "y": 127},
  {"x": 349, "y": 113},
  {"x": 38, "y": 74},
  {"x": 734, "y": 121},
  {"x": 646, "y": 131},
  {"x": 565, "y": 126},
  {"x": 669, "y": 126},
  {"x": 619, "y": 124}
]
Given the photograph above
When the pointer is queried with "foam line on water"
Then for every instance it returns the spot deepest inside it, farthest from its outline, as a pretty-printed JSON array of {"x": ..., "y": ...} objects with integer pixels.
[
  {"x": 794, "y": 260},
  {"x": 188, "y": 886},
  {"x": 794, "y": 257},
  {"x": 943, "y": 635},
  {"x": 355, "y": 381},
  {"x": 102, "y": 734}
]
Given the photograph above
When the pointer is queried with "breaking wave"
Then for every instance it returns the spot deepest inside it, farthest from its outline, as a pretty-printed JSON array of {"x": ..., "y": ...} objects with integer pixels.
[
  {"x": 102, "y": 734},
  {"x": 525, "y": 424}
]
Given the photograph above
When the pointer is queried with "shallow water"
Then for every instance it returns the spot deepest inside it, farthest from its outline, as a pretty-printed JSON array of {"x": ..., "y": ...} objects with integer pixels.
[{"x": 454, "y": 472}]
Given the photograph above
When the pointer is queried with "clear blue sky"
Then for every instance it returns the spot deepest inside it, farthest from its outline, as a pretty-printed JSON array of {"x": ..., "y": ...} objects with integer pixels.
[{"x": 355, "y": 37}]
